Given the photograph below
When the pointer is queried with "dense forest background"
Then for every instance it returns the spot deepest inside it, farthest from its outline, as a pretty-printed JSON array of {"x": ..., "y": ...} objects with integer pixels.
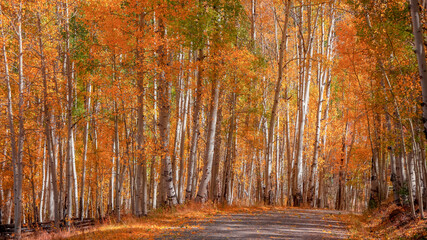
[{"x": 114, "y": 107}]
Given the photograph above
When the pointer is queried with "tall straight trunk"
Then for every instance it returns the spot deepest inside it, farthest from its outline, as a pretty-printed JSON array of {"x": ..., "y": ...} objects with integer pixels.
[
  {"x": 85, "y": 145},
  {"x": 110, "y": 202},
  {"x": 202, "y": 193},
  {"x": 177, "y": 140},
  {"x": 180, "y": 102},
  {"x": 278, "y": 158},
  {"x": 215, "y": 182},
  {"x": 57, "y": 139},
  {"x": 16, "y": 139},
  {"x": 12, "y": 135},
  {"x": 341, "y": 178},
  {"x": 181, "y": 150},
  {"x": 305, "y": 82},
  {"x": 405, "y": 159},
  {"x": 142, "y": 199},
  {"x": 409, "y": 171},
  {"x": 153, "y": 168},
  {"x": 288, "y": 150},
  {"x": 48, "y": 130},
  {"x": 2, "y": 199},
  {"x": 394, "y": 176},
  {"x": 423, "y": 165},
  {"x": 117, "y": 181},
  {"x": 313, "y": 171},
  {"x": 323, "y": 81},
  {"x": 417, "y": 156},
  {"x": 228, "y": 164},
  {"x": 320, "y": 181},
  {"x": 373, "y": 200},
  {"x": 421, "y": 57},
  {"x": 195, "y": 131},
  {"x": 164, "y": 122},
  {"x": 21, "y": 134},
  {"x": 74, "y": 176},
  {"x": 269, "y": 148},
  {"x": 69, "y": 77},
  {"x": 251, "y": 173},
  {"x": 44, "y": 179}
]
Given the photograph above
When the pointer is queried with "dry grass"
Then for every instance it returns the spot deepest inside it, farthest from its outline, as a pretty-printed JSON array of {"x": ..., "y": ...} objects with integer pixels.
[{"x": 161, "y": 221}]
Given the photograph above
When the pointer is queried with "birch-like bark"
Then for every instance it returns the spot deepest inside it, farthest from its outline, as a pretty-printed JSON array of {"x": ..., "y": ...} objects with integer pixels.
[
  {"x": 16, "y": 139},
  {"x": 74, "y": 174},
  {"x": 69, "y": 77},
  {"x": 228, "y": 164},
  {"x": 202, "y": 193},
  {"x": 181, "y": 150},
  {"x": 421, "y": 57},
  {"x": 47, "y": 128},
  {"x": 288, "y": 150},
  {"x": 215, "y": 182},
  {"x": 417, "y": 155},
  {"x": 117, "y": 186},
  {"x": 11, "y": 125},
  {"x": 195, "y": 131},
  {"x": 21, "y": 134},
  {"x": 180, "y": 102},
  {"x": 85, "y": 146},
  {"x": 323, "y": 81},
  {"x": 305, "y": 82},
  {"x": 164, "y": 122},
  {"x": 341, "y": 178},
  {"x": 142, "y": 199},
  {"x": 269, "y": 148}
]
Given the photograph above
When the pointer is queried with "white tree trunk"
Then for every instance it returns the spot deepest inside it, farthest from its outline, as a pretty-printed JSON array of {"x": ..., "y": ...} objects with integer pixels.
[
  {"x": 269, "y": 147},
  {"x": 202, "y": 193},
  {"x": 421, "y": 57},
  {"x": 195, "y": 130}
]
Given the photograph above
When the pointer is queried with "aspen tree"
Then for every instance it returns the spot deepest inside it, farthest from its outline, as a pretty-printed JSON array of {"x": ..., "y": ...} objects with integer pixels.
[{"x": 269, "y": 153}]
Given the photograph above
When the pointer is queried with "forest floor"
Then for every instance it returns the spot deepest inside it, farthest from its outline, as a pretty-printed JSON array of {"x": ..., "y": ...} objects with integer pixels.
[
  {"x": 389, "y": 221},
  {"x": 209, "y": 221},
  {"x": 195, "y": 221}
]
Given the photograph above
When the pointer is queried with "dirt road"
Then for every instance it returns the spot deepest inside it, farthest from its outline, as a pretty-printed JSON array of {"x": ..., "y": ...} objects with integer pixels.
[{"x": 286, "y": 224}]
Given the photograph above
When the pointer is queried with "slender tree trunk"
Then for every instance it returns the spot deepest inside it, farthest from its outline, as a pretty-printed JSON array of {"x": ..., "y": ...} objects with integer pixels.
[
  {"x": 202, "y": 193},
  {"x": 417, "y": 155},
  {"x": 181, "y": 153},
  {"x": 341, "y": 179},
  {"x": 269, "y": 153},
  {"x": 195, "y": 131},
  {"x": 228, "y": 164},
  {"x": 323, "y": 81},
  {"x": 85, "y": 145},
  {"x": 16, "y": 141},
  {"x": 215, "y": 182},
  {"x": 48, "y": 131},
  {"x": 305, "y": 82},
  {"x": 164, "y": 123},
  {"x": 421, "y": 57},
  {"x": 117, "y": 186},
  {"x": 69, "y": 77},
  {"x": 142, "y": 199}
]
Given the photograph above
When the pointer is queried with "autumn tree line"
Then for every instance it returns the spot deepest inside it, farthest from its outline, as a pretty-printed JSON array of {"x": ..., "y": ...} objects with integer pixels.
[{"x": 114, "y": 107}]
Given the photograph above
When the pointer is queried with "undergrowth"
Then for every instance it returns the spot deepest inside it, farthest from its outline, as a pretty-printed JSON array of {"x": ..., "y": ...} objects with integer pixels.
[{"x": 388, "y": 221}]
